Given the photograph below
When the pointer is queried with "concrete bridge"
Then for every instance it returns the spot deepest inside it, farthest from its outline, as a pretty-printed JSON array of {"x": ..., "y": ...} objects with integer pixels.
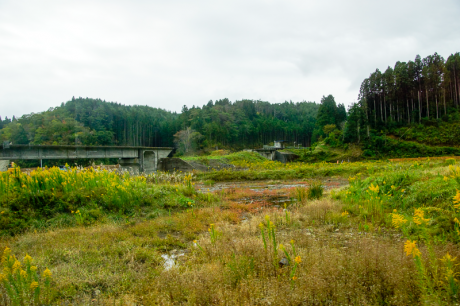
[
  {"x": 272, "y": 153},
  {"x": 135, "y": 159}
]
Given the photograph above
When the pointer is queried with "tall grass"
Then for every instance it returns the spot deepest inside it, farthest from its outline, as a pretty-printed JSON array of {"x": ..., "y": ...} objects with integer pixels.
[{"x": 87, "y": 196}]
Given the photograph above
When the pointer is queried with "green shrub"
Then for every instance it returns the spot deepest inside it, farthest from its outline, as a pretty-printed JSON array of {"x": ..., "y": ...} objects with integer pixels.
[{"x": 315, "y": 191}]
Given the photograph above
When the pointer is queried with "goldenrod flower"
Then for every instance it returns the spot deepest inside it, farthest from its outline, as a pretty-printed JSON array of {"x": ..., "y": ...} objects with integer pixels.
[
  {"x": 456, "y": 199},
  {"x": 410, "y": 247},
  {"x": 16, "y": 266},
  {"x": 298, "y": 259},
  {"x": 418, "y": 216},
  {"x": 294, "y": 277},
  {"x": 27, "y": 259},
  {"x": 47, "y": 273},
  {"x": 373, "y": 188},
  {"x": 6, "y": 253},
  {"x": 445, "y": 178},
  {"x": 33, "y": 285},
  {"x": 448, "y": 258},
  {"x": 345, "y": 213},
  {"x": 33, "y": 268},
  {"x": 23, "y": 273},
  {"x": 397, "y": 220}
]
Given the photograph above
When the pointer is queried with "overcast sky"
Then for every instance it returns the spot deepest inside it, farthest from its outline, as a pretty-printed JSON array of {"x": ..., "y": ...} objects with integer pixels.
[{"x": 172, "y": 53}]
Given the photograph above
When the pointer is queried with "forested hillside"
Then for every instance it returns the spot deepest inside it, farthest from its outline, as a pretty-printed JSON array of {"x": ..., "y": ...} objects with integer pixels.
[
  {"x": 240, "y": 124},
  {"x": 413, "y": 92}
]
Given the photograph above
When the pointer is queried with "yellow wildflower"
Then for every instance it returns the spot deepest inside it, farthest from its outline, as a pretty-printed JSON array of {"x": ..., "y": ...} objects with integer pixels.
[
  {"x": 16, "y": 266},
  {"x": 410, "y": 247},
  {"x": 418, "y": 216},
  {"x": 6, "y": 254},
  {"x": 298, "y": 259},
  {"x": 294, "y": 277},
  {"x": 23, "y": 273},
  {"x": 345, "y": 213},
  {"x": 456, "y": 199},
  {"x": 445, "y": 178},
  {"x": 448, "y": 258},
  {"x": 33, "y": 268},
  {"x": 27, "y": 259},
  {"x": 374, "y": 188},
  {"x": 47, "y": 273},
  {"x": 397, "y": 220},
  {"x": 33, "y": 285}
]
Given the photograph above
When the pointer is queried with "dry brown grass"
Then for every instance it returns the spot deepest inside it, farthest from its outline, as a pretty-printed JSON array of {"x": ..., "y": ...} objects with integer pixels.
[{"x": 340, "y": 266}]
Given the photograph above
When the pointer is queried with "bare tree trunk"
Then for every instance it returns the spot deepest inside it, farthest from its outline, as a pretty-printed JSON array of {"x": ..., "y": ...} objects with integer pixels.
[
  {"x": 381, "y": 111},
  {"x": 408, "y": 111},
  {"x": 456, "y": 90},
  {"x": 391, "y": 115},
  {"x": 397, "y": 110},
  {"x": 444, "y": 95},
  {"x": 385, "y": 106},
  {"x": 427, "y": 105},
  {"x": 375, "y": 113},
  {"x": 437, "y": 108},
  {"x": 419, "y": 108},
  {"x": 359, "y": 136}
]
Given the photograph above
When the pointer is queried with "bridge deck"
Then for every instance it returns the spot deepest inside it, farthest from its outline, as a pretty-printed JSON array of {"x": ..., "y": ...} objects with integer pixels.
[{"x": 15, "y": 152}]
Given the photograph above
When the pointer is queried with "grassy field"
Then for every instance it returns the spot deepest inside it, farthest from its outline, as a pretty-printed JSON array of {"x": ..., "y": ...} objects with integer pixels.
[{"x": 364, "y": 233}]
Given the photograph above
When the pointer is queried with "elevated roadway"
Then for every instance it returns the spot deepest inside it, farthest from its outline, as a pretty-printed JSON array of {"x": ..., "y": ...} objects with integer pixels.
[{"x": 135, "y": 159}]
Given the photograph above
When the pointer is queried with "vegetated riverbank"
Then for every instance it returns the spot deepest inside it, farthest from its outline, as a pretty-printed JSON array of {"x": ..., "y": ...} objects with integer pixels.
[{"x": 348, "y": 246}]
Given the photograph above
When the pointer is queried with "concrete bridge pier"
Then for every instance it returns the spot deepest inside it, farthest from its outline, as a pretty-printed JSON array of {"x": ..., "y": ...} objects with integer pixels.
[{"x": 131, "y": 165}]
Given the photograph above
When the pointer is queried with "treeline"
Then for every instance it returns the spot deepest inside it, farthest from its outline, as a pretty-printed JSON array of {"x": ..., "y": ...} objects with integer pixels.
[
  {"x": 93, "y": 122},
  {"x": 239, "y": 124},
  {"x": 410, "y": 92},
  {"x": 251, "y": 124}
]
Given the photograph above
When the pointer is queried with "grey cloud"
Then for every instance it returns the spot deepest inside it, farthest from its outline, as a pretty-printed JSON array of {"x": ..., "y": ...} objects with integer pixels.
[{"x": 170, "y": 53}]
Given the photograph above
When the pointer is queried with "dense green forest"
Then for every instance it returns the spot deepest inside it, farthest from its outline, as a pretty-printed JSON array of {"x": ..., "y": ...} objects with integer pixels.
[
  {"x": 422, "y": 91},
  {"x": 85, "y": 121}
]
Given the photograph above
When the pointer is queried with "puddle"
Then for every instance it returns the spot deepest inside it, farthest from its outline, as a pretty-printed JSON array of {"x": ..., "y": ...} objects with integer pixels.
[{"x": 263, "y": 186}]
